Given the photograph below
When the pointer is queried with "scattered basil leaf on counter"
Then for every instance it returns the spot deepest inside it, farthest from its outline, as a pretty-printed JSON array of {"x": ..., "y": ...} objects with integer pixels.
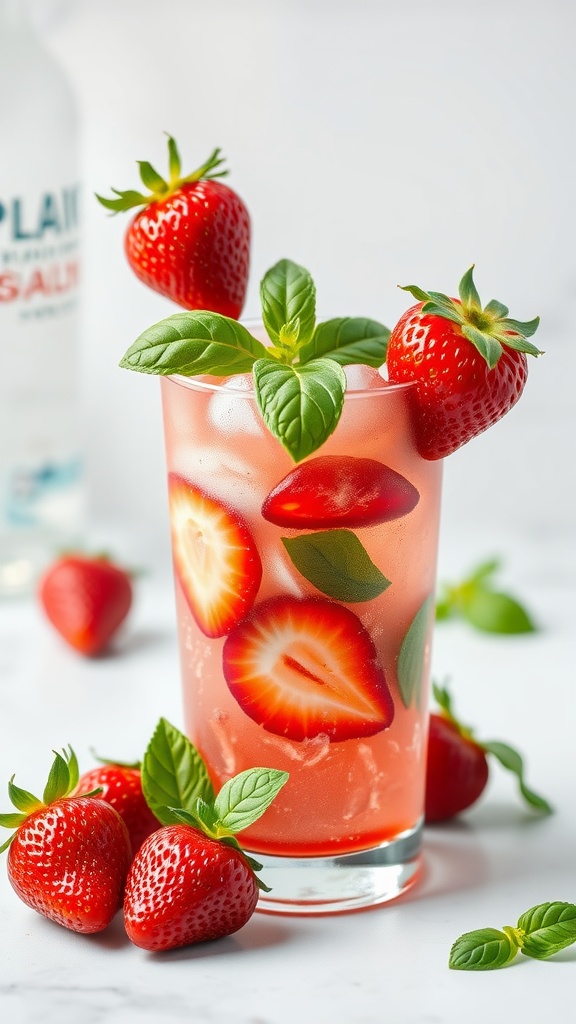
[
  {"x": 337, "y": 564},
  {"x": 298, "y": 379},
  {"x": 476, "y": 601},
  {"x": 540, "y": 932}
]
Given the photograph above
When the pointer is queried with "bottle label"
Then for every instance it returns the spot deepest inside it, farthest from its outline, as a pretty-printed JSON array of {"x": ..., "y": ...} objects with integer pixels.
[{"x": 39, "y": 266}]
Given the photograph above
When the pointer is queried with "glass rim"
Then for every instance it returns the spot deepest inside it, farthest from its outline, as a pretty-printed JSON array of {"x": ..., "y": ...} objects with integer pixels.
[{"x": 224, "y": 384}]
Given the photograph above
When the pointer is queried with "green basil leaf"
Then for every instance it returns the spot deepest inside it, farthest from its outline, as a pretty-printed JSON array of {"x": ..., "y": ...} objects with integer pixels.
[
  {"x": 193, "y": 343},
  {"x": 348, "y": 341},
  {"x": 173, "y": 773},
  {"x": 337, "y": 564},
  {"x": 548, "y": 928},
  {"x": 512, "y": 761},
  {"x": 243, "y": 799},
  {"x": 483, "y": 950},
  {"x": 495, "y": 612},
  {"x": 288, "y": 301},
  {"x": 301, "y": 405},
  {"x": 413, "y": 653}
]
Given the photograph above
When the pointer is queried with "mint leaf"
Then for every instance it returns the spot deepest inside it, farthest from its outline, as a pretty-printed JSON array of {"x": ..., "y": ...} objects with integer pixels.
[
  {"x": 475, "y": 600},
  {"x": 511, "y": 759},
  {"x": 288, "y": 301},
  {"x": 348, "y": 340},
  {"x": 548, "y": 928},
  {"x": 243, "y": 799},
  {"x": 337, "y": 564},
  {"x": 492, "y": 611},
  {"x": 412, "y": 654},
  {"x": 483, "y": 950},
  {"x": 301, "y": 405},
  {"x": 194, "y": 343},
  {"x": 173, "y": 773}
]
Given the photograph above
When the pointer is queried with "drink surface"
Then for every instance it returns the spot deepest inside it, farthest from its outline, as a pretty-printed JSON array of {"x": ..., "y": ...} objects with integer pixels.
[{"x": 344, "y": 794}]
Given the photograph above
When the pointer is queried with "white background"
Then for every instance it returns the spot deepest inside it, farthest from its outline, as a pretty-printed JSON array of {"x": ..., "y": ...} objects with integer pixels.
[{"x": 378, "y": 144}]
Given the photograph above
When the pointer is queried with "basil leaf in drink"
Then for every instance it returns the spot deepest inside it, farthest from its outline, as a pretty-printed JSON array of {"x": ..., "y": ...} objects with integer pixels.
[
  {"x": 243, "y": 799},
  {"x": 483, "y": 950},
  {"x": 348, "y": 340},
  {"x": 288, "y": 300},
  {"x": 548, "y": 928},
  {"x": 173, "y": 773},
  {"x": 301, "y": 405},
  {"x": 194, "y": 343},
  {"x": 511, "y": 759},
  {"x": 337, "y": 564},
  {"x": 412, "y": 654}
]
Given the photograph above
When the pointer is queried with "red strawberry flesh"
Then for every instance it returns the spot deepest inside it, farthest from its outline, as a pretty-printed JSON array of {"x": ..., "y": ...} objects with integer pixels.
[
  {"x": 302, "y": 668},
  {"x": 456, "y": 772},
  {"x": 215, "y": 558},
  {"x": 339, "y": 491},
  {"x": 122, "y": 789}
]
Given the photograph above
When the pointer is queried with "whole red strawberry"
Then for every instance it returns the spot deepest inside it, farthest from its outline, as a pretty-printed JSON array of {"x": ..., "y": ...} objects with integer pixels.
[
  {"x": 185, "y": 887},
  {"x": 121, "y": 787},
  {"x": 457, "y": 768},
  {"x": 86, "y": 600},
  {"x": 468, "y": 364},
  {"x": 69, "y": 856},
  {"x": 191, "y": 242},
  {"x": 190, "y": 881}
]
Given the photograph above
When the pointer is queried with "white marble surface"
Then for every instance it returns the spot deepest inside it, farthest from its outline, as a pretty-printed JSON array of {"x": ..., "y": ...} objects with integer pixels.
[{"x": 388, "y": 963}]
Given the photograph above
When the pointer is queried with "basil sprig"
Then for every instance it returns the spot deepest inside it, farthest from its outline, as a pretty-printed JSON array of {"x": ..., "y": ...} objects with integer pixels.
[
  {"x": 540, "y": 932},
  {"x": 298, "y": 378},
  {"x": 477, "y": 601}
]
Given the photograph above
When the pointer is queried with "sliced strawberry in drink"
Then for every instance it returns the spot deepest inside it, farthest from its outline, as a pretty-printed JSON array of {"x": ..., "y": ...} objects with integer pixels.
[
  {"x": 301, "y": 668},
  {"x": 339, "y": 491},
  {"x": 215, "y": 558}
]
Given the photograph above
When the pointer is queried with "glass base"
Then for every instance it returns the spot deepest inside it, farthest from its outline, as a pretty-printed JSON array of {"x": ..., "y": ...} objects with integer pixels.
[{"x": 335, "y": 885}]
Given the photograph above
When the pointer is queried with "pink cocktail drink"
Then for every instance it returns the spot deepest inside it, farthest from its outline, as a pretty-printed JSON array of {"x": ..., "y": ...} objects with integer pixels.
[{"x": 322, "y": 663}]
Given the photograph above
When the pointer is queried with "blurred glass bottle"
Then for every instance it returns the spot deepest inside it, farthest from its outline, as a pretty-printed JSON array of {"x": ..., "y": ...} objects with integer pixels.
[{"x": 40, "y": 464}]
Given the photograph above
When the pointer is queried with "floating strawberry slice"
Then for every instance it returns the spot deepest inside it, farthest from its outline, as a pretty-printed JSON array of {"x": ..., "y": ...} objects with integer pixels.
[
  {"x": 215, "y": 558},
  {"x": 304, "y": 667},
  {"x": 339, "y": 490}
]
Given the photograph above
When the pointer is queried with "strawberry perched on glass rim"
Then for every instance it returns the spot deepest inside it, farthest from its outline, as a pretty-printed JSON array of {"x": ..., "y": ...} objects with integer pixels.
[
  {"x": 468, "y": 364},
  {"x": 191, "y": 240}
]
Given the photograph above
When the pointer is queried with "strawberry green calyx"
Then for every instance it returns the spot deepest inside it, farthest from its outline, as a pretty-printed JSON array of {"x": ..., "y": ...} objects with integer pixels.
[
  {"x": 62, "y": 781},
  {"x": 160, "y": 188},
  {"x": 488, "y": 328}
]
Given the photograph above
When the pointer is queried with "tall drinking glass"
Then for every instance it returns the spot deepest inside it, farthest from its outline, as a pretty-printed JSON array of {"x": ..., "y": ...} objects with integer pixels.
[{"x": 322, "y": 667}]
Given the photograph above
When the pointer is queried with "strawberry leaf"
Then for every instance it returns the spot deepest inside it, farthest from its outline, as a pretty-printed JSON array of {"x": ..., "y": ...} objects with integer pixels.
[
  {"x": 173, "y": 773},
  {"x": 548, "y": 928},
  {"x": 467, "y": 290},
  {"x": 348, "y": 340},
  {"x": 288, "y": 300},
  {"x": 300, "y": 405},
  {"x": 337, "y": 564},
  {"x": 125, "y": 201},
  {"x": 489, "y": 348},
  {"x": 194, "y": 343},
  {"x": 512, "y": 761},
  {"x": 243, "y": 799},
  {"x": 483, "y": 950},
  {"x": 62, "y": 778},
  {"x": 150, "y": 177},
  {"x": 174, "y": 163},
  {"x": 413, "y": 652}
]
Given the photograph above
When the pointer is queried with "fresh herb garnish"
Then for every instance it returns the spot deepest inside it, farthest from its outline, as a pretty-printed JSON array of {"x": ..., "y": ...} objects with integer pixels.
[
  {"x": 476, "y": 600},
  {"x": 177, "y": 788},
  {"x": 298, "y": 379},
  {"x": 540, "y": 932}
]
